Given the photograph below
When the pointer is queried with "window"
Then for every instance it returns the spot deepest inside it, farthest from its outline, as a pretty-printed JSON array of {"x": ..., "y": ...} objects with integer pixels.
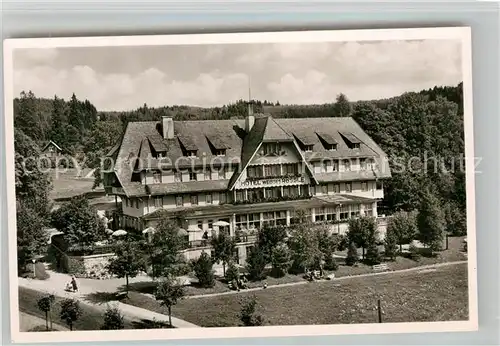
[
  {"x": 312, "y": 189},
  {"x": 208, "y": 175},
  {"x": 324, "y": 189},
  {"x": 222, "y": 173},
  {"x": 254, "y": 220},
  {"x": 325, "y": 166},
  {"x": 220, "y": 152},
  {"x": 193, "y": 176},
  {"x": 241, "y": 222},
  {"x": 344, "y": 212},
  {"x": 331, "y": 147},
  {"x": 239, "y": 195},
  {"x": 335, "y": 165},
  {"x": 178, "y": 201},
  {"x": 308, "y": 147},
  {"x": 286, "y": 191},
  {"x": 281, "y": 218},
  {"x": 356, "y": 145},
  {"x": 200, "y": 224},
  {"x": 186, "y": 199},
  {"x": 272, "y": 148},
  {"x": 362, "y": 164},
  {"x": 368, "y": 210},
  {"x": 194, "y": 199},
  {"x": 156, "y": 177},
  {"x": 210, "y": 224},
  {"x": 137, "y": 203},
  {"x": 208, "y": 198},
  {"x": 222, "y": 198},
  {"x": 177, "y": 177},
  {"x": 191, "y": 153},
  {"x": 364, "y": 186},
  {"x": 157, "y": 202},
  {"x": 380, "y": 186},
  {"x": 333, "y": 188},
  {"x": 126, "y": 202},
  {"x": 252, "y": 172},
  {"x": 348, "y": 187},
  {"x": 355, "y": 211},
  {"x": 325, "y": 214},
  {"x": 347, "y": 165}
]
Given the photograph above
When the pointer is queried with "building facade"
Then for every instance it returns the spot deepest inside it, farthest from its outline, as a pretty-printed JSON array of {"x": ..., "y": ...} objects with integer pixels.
[{"x": 236, "y": 176}]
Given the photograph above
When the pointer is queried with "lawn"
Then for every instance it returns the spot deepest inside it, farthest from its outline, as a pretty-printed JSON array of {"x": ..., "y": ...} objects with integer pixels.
[
  {"x": 67, "y": 184},
  {"x": 450, "y": 255},
  {"x": 439, "y": 295},
  {"x": 91, "y": 318}
]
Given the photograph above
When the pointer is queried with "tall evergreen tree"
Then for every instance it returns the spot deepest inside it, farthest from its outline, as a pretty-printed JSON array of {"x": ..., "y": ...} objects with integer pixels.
[{"x": 431, "y": 221}]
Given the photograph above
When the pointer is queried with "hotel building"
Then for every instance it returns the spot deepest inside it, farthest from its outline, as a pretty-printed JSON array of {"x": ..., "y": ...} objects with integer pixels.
[{"x": 235, "y": 176}]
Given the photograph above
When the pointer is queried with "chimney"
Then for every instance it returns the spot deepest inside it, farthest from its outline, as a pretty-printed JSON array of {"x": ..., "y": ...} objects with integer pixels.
[
  {"x": 167, "y": 127},
  {"x": 250, "y": 119}
]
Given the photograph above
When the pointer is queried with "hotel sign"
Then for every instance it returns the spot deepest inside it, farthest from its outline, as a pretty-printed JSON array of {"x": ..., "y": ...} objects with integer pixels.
[{"x": 273, "y": 182}]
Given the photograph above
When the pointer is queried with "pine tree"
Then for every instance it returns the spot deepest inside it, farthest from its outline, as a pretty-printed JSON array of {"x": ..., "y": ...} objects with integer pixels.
[
  {"x": 203, "y": 270},
  {"x": 372, "y": 253},
  {"x": 281, "y": 259},
  {"x": 390, "y": 245},
  {"x": 256, "y": 263},
  {"x": 431, "y": 222},
  {"x": 232, "y": 272},
  {"x": 352, "y": 255}
]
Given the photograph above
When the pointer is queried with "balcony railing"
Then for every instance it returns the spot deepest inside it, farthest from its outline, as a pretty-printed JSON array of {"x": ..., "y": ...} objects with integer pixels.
[{"x": 207, "y": 242}]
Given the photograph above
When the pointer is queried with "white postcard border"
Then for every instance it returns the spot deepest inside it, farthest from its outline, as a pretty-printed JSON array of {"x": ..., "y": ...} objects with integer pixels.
[{"x": 459, "y": 33}]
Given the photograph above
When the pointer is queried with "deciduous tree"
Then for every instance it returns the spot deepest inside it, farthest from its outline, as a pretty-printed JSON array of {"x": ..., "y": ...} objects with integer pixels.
[
  {"x": 71, "y": 311},
  {"x": 224, "y": 247},
  {"x": 45, "y": 304},
  {"x": 168, "y": 292},
  {"x": 402, "y": 228},
  {"x": 127, "y": 262}
]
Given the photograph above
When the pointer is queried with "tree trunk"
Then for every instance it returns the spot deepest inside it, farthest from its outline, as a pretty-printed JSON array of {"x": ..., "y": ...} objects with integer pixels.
[
  {"x": 47, "y": 320},
  {"x": 126, "y": 285},
  {"x": 223, "y": 268},
  {"x": 50, "y": 316},
  {"x": 71, "y": 326},
  {"x": 363, "y": 255},
  {"x": 400, "y": 248},
  {"x": 170, "y": 315}
]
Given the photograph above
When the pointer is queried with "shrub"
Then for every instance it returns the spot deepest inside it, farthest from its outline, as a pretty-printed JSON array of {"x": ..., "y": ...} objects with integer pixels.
[
  {"x": 414, "y": 253},
  {"x": 232, "y": 272},
  {"x": 203, "y": 270},
  {"x": 352, "y": 255},
  {"x": 390, "y": 245},
  {"x": 248, "y": 314},
  {"x": 70, "y": 311},
  {"x": 113, "y": 319}
]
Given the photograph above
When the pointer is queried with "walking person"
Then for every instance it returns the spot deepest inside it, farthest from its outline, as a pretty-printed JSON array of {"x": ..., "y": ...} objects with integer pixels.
[{"x": 74, "y": 284}]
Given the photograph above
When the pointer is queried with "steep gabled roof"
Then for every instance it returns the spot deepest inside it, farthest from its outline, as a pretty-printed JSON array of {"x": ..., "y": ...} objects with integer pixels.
[
  {"x": 51, "y": 143},
  {"x": 350, "y": 137},
  {"x": 217, "y": 142},
  {"x": 327, "y": 138}
]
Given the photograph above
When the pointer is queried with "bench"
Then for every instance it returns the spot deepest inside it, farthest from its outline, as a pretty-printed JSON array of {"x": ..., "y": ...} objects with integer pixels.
[
  {"x": 121, "y": 295},
  {"x": 380, "y": 267}
]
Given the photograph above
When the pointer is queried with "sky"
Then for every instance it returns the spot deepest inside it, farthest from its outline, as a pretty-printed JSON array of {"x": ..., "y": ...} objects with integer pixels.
[{"x": 124, "y": 78}]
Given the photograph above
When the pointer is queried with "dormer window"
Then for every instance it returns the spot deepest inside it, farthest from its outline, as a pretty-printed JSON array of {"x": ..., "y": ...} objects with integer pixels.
[
  {"x": 329, "y": 143},
  {"x": 217, "y": 145},
  {"x": 188, "y": 147},
  {"x": 308, "y": 147},
  {"x": 351, "y": 140}
]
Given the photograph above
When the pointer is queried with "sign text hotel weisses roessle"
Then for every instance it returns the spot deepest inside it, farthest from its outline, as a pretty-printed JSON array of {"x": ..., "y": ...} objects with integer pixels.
[{"x": 273, "y": 182}]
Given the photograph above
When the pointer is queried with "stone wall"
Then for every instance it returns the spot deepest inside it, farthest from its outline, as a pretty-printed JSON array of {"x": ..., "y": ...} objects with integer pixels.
[{"x": 92, "y": 266}]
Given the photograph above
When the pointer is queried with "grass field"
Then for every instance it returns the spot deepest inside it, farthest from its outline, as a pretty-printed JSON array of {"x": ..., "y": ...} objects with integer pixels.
[
  {"x": 91, "y": 318},
  {"x": 67, "y": 184},
  {"x": 439, "y": 295}
]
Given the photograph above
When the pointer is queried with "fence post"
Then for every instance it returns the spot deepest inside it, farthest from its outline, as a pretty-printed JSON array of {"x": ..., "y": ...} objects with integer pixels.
[{"x": 379, "y": 311}]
